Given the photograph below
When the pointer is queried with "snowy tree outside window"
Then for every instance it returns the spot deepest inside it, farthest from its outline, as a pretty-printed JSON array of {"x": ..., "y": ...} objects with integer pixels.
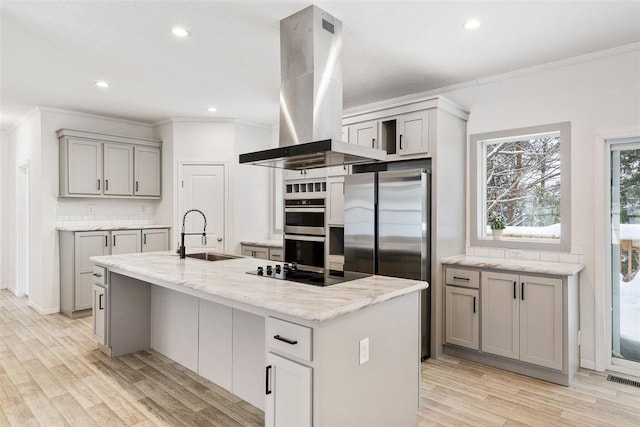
[
  {"x": 522, "y": 185},
  {"x": 522, "y": 177}
]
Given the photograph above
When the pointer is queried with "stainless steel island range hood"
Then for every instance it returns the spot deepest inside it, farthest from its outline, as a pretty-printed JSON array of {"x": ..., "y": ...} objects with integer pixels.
[{"x": 311, "y": 98}]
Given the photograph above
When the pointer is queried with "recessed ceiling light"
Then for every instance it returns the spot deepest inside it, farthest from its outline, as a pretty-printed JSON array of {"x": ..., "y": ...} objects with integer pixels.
[
  {"x": 212, "y": 109},
  {"x": 102, "y": 83},
  {"x": 180, "y": 32},
  {"x": 472, "y": 24}
]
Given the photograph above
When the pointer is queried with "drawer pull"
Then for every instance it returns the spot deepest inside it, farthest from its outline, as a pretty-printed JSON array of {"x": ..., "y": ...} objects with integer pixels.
[
  {"x": 267, "y": 388},
  {"x": 279, "y": 338},
  {"x": 97, "y": 275},
  {"x": 466, "y": 279}
]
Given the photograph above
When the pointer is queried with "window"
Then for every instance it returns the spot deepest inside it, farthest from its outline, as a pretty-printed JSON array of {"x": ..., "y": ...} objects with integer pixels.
[{"x": 521, "y": 178}]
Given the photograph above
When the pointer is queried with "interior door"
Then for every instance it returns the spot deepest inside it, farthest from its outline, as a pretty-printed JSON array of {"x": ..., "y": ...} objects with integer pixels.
[{"x": 203, "y": 187}]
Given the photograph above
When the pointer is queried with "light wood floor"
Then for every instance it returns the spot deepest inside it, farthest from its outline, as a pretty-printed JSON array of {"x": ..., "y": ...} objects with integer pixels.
[{"x": 52, "y": 374}]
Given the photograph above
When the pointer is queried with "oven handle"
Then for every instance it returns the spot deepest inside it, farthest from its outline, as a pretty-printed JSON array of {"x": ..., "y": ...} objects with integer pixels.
[
  {"x": 314, "y": 209},
  {"x": 304, "y": 238}
]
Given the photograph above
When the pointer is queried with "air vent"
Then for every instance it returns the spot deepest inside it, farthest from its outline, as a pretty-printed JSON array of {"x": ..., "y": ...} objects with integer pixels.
[
  {"x": 626, "y": 381},
  {"x": 327, "y": 26}
]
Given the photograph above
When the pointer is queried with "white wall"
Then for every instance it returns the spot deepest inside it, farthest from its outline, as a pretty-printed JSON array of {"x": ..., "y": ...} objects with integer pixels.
[
  {"x": 248, "y": 186},
  {"x": 2, "y": 204},
  {"x": 595, "y": 96}
]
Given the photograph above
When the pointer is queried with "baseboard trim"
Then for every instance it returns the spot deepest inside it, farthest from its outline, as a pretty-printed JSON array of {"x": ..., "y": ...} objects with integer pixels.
[
  {"x": 43, "y": 311},
  {"x": 588, "y": 364}
]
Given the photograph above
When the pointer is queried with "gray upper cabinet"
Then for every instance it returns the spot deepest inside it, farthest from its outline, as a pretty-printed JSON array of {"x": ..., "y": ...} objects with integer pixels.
[
  {"x": 84, "y": 159},
  {"x": 99, "y": 165},
  {"x": 413, "y": 133},
  {"x": 118, "y": 169},
  {"x": 147, "y": 171},
  {"x": 365, "y": 134}
]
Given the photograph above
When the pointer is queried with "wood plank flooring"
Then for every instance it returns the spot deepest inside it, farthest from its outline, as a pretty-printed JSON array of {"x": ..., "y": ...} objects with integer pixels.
[{"x": 51, "y": 374}]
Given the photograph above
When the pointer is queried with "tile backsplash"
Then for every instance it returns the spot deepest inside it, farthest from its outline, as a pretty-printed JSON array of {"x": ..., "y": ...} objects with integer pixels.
[
  {"x": 575, "y": 257},
  {"x": 98, "y": 212}
]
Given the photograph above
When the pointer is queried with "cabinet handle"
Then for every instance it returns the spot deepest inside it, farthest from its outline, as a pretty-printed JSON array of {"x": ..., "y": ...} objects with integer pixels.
[
  {"x": 144, "y": 239},
  {"x": 106, "y": 241},
  {"x": 461, "y": 278},
  {"x": 288, "y": 341},
  {"x": 474, "y": 304},
  {"x": 267, "y": 387},
  {"x": 106, "y": 185},
  {"x": 514, "y": 290},
  {"x": 97, "y": 275},
  {"x": 100, "y": 307},
  {"x": 136, "y": 186},
  {"x": 114, "y": 240},
  {"x": 98, "y": 184},
  {"x": 401, "y": 142},
  {"x": 522, "y": 291},
  {"x": 373, "y": 143}
]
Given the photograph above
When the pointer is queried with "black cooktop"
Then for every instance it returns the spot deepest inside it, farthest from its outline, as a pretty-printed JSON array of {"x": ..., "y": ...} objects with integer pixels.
[{"x": 306, "y": 277}]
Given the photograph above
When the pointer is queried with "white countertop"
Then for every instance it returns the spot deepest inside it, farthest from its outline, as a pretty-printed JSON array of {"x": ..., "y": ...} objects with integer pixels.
[
  {"x": 553, "y": 268},
  {"x": 109, "y": 227},
  {"x": 228, "y": 279},
  {"x": 265, "y": 243}
]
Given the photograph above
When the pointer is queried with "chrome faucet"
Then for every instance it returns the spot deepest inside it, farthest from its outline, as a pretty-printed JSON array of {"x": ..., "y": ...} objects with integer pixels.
[{"x": 182, "y": 234}]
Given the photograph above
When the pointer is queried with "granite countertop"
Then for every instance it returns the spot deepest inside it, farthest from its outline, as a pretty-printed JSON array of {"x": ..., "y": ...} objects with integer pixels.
[
  {"x": 109, "y": 227},
  {"x": 228, "y": 279},
  {"x": 542, "y": 267},
  {"x": 265, "y": 243}
]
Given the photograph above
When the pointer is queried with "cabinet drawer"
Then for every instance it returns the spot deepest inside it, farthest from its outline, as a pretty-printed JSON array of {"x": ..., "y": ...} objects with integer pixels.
[
  {"x": 461, "y": 277},
  {"x": 275, "y": 254},
  {"x": 99, "y": 274},
  {"x": 288, "y": 338}
]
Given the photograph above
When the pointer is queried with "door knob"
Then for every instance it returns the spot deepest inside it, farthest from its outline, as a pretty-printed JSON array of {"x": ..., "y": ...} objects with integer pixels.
[{"x": 219, "y": 239}]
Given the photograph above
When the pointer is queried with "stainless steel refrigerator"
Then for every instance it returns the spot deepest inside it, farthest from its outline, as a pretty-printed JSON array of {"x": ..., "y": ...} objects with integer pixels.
[{"x": 387, "y": 230}]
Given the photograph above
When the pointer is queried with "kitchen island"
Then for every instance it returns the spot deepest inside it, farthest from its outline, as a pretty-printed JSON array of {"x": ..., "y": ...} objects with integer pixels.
[{"x": 341, "y": 355}]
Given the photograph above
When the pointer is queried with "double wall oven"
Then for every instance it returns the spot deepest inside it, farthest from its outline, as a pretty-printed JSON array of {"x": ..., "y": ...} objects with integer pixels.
[{"x": 304, "y": 224}]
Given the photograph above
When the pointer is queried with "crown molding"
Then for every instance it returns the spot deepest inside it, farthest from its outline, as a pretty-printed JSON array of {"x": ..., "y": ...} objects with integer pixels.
[
  {"x": 94, "y": 116},
  {"x": 431, "y": 93},
  {"x": 209, "y": 120}
]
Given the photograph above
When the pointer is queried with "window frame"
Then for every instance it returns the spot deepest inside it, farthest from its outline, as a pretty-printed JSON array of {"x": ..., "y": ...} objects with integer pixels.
[{"x": 478, "y": 188}]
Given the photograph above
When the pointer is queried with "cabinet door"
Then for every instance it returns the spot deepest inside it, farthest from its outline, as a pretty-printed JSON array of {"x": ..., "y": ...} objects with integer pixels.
[
  {"x": 413, "y": 133},
  {"x": 345, "y": 134},
  {"x": 288, "y": 388},
  {"x": 215, "y": 351},
  {"x": 462, "y": 326},
  {"x": 85, "y": 166},
  {"x": 256, "y": 252},
  {"x": 500, "y": 314},
  {"x": 276, "y": 254},
  {"x": 365, "y": 134},
  {"x": 155, "y": 240},
  {"x": 336, "y": 201},
  {"x": 87, "y": 244},
  {"x": 118, "y": 169},
  {"x": 147, "y": 171},
  {"x": 541, "y": 321},
  {"x": 125, "y": 242},
  {"x": 247, "y": 251},
  {"x": 99, "y": 314}
]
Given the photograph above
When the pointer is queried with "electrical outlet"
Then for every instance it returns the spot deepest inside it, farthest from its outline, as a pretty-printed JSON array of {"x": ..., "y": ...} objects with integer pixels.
[
  {"x": 515, "y": 253},
  {"x": 91, "y": 209},
  {"x": 364, "y": 350}
]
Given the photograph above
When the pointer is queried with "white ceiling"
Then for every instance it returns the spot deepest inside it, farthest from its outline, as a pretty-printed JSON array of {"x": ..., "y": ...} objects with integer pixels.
[{"x": 53, "y": 52}]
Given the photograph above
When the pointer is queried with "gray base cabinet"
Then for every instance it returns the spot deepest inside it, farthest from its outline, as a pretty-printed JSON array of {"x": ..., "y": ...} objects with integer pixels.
[
  {"x": 77, "y": 290},
  {"x": 263, "y": 252},
  {"x": 288, "y": 393},
  {"x": 529, "y": 323}
]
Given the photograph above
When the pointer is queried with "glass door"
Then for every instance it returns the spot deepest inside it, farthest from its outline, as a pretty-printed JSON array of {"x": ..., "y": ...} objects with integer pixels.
[{"x": 625, "y": 253}]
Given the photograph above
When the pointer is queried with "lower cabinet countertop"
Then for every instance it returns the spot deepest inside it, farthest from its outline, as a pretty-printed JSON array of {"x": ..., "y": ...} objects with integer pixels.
[
  {"x": 264, "y": 243},
  {"x": 519, "y": 265},
  {"x": 229, "y": 279},
  {"x": 109, "y": 227}
]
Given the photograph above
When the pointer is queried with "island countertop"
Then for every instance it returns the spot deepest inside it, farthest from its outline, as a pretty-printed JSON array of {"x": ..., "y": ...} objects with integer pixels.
[{"x": 229, "y": 279}]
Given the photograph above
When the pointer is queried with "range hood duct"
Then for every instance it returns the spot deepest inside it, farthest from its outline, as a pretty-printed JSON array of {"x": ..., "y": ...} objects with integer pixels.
[{"x": 311, "y": 98}]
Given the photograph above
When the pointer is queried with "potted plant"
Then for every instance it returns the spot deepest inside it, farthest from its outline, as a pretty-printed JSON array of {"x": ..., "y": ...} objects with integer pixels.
[{"x": 497, "y": 227}]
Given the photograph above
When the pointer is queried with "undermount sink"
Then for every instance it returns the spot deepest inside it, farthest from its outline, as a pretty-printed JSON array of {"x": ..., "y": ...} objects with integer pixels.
[{"x": 211, "y": 256}]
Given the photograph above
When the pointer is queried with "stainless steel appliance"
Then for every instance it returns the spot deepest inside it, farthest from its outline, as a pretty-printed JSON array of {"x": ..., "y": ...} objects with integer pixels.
[
  {"x": 304, "y": 229},
  {"x": 311, "y": 98},
  {"x": 293, "y": 274},
  {"x": 387, "y": 230}
]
